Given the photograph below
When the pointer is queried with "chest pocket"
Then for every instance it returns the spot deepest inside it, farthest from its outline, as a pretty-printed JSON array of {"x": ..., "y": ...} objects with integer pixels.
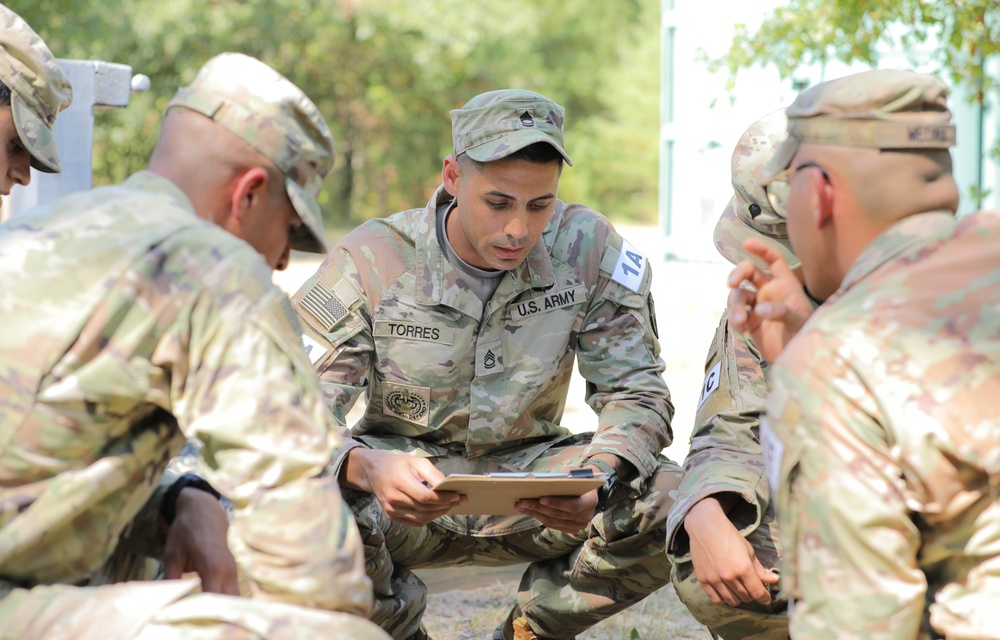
[{"x": 540, "y": 327}]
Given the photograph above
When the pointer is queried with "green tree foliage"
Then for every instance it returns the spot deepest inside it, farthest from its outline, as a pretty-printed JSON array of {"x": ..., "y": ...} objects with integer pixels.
[
  {"x": 964, "y": 34},
  {"x": 385, "y": 73}
]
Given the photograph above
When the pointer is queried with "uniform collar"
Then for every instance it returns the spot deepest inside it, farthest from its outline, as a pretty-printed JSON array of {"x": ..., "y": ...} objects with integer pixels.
[
  {"x": 909, "y": 234},
  {"x": 154, "y": 183}
]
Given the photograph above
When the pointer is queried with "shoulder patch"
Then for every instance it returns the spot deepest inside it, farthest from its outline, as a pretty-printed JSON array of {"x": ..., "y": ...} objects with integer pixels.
[
  {"x": 329, "y": 307},
  {"x": 314, "y": 350},
  {"x": 773, "y": 450},
  {"x": 711, "y": 383},
  {"x": 630, "y": 268}
]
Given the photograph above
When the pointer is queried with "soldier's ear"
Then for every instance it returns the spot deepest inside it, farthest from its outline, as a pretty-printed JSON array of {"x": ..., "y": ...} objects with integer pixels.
[
  {"x": 249, "y": 192},
  {"x": 451, "y": 175}
]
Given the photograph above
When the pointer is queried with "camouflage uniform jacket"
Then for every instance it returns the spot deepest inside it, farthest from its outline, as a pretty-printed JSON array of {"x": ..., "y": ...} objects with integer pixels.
[
  {"x": 130, "y": 325},
  {"x": 387, "y": 314},
  {"x": 884, "y": 440},
  {"x": 725, "y": 453}
]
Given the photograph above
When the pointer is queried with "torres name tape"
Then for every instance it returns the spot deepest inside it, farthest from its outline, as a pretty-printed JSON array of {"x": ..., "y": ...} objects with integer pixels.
[{"x": 414, "y": 331}]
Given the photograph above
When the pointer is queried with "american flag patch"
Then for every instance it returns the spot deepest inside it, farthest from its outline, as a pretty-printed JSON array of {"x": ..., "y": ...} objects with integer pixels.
[{"x": 324, "y": 306}]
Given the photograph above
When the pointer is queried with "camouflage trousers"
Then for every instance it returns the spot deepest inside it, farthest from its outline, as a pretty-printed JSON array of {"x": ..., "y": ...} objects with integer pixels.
[
  {"x": 573, "y": 581},
  {"x": 165, "y": 609},
  {"x": 752, "y": 621}
]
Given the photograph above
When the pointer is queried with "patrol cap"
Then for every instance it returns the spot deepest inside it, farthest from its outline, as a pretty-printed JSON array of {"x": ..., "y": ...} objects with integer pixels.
[
  {"x": 39, "y": 89},
  {"x": 274, "y": 116},
  {"x": 749, "y": 214},
  {"x": 495, "y": 124},
  {"x": 880, "y": 109}
]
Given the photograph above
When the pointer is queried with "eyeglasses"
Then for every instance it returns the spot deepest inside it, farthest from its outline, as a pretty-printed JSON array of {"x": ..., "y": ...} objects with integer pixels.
[{"x": 778, "y": 188}]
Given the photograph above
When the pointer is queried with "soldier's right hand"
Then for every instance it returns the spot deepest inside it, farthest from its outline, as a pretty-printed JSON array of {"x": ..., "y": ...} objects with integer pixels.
[
  {"x": 724, "y": 562},
  {"x": 769, "y": 307},
  {"x": 401, "y": 483}
]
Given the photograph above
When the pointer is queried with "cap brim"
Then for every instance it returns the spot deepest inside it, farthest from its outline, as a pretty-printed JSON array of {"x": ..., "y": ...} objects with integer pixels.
[
  {"x": 730, "y": 232},
  {"x": 36, "y": 137},
  {"x": 782, "y": 157},
  {"x": 310, "y": 237},
  {"x": 514, "y": 142}
]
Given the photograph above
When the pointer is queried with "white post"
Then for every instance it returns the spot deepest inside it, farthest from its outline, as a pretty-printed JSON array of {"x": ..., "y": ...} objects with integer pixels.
[{"x": 96, "y": 85}]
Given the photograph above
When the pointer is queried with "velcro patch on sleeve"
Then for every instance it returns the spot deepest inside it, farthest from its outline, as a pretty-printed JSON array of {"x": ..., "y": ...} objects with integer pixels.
[
  {"x": 314, "y": 349},
  {"x": 630, "y": 268},
  {"x": 711, "y": 383},
  {"x": 325, "y": 305},
  {"x": 773, "y": 450}
]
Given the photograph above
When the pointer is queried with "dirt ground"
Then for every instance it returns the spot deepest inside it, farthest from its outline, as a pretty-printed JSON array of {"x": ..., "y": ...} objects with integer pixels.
[{"x": 468, "y": 603}]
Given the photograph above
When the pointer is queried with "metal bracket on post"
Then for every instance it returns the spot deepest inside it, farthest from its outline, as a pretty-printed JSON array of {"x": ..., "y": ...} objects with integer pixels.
[{"x": 96, "y": 85}]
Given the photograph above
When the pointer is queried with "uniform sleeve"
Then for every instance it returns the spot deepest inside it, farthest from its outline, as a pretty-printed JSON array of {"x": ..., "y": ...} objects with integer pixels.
[
  {"x": 618, "y": 353},
  {"x": 850, "y": 544},
  {"x": 336, "y": 329},
  {"x": 725, "y": 453},
  {"x": 249, "y": 395}
]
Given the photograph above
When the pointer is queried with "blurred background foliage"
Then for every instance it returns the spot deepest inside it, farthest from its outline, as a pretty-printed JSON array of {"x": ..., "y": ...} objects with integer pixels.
[{"x": 385, "y": 73}]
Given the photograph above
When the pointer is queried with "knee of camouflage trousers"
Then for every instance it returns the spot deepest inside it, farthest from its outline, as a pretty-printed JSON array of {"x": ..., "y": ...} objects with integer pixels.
[
  {"x": 166, "y": 609},
  {"x": 622, "y": 561},
  {"x": 615, "y": 563},
  {"x": 752, "y": 621}
]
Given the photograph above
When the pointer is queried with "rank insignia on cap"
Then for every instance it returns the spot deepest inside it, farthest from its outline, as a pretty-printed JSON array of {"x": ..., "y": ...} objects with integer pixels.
[{"x": 527, "y": 120}]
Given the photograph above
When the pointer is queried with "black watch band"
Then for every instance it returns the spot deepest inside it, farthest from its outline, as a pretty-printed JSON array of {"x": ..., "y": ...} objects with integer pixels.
[
  {"x": 168, "y": 506},
  {"x": 604, "y": 491}
]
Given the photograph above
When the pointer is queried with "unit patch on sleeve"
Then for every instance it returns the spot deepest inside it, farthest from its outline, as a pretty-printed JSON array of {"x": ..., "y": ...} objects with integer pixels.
[
  {"x": 710, "y": 384},
  {"x": 773, "y": 450},
  {"x": 409, "y": 403},
  {"x": 630, "y": 268},
  {"x": 314, "y": 350},
  {"x": 549, "y": 301}
]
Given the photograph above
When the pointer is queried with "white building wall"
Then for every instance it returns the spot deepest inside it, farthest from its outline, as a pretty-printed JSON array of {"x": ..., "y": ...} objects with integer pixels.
[{"x": 702, "y": 118}]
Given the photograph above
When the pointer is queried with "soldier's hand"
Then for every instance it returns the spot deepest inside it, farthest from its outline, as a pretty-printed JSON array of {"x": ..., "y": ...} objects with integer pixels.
[
  {"x": 563, "y": 513},
  {"x": 196, "y": 541},
  {"x": 770, "y": 308},
  {"x": 402, "y": 485},
  {"x": 724, "y": 562}
]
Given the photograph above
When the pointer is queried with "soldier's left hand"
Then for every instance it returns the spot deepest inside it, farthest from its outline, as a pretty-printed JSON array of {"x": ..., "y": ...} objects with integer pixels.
[
  {"x": 569, "y": 514},
  {"x": 196, "y": 541}
]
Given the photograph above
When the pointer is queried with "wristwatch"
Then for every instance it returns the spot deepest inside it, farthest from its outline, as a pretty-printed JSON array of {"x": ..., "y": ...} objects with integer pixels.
[
  {"x": 604, "y": 491},
  {"x": 168, "y": 506}
]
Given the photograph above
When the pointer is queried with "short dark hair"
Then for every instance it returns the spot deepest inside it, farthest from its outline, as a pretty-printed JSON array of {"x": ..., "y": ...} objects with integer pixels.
[
  {"x": 537, "y": 153},
  {"x": 4, "y": 95}
]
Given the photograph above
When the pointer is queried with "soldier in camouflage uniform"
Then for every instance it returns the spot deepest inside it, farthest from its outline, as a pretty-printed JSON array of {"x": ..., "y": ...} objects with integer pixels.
[
  {"x": 141, "y": 315},
  {"x": 33, "y": 90},
  {"x": 721, "y": 531},
  {"x": 461, "y": 321},
  {"x": 882, "y": 433}
]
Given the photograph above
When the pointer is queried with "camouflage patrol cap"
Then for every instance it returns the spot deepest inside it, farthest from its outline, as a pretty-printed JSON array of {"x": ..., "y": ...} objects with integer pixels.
[
  {"x": 495, "y": 124},
  {"x": 274, "y": 116},
  {"x": 39, "y": 89},
  {"x": 749, "y": 214},
  {"x": 881, "y": 109}
]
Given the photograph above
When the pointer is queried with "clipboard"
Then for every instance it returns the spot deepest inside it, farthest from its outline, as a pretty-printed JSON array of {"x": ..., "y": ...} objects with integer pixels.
[{"x": 496, "y": 493}]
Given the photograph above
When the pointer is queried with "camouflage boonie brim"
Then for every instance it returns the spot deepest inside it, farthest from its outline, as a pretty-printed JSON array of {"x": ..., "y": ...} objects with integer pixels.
[
  {"x": 39, "y": 89},
  {"x": 732, "y": 230},
  {"x": 749, "y": 214},
  {"x": 880, "y": 109},
  {"x": 495, "y": 124},
  {"x": 276, "y": 118}
]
